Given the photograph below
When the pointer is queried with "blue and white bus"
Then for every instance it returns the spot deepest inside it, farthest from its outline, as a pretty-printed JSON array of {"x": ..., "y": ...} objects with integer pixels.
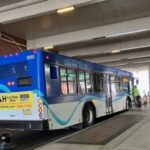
[{"x": 43, "y": 90}]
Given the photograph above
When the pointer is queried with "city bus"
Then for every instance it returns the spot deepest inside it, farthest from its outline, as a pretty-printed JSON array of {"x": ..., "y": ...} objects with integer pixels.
[{"x": 42, "y": 90}]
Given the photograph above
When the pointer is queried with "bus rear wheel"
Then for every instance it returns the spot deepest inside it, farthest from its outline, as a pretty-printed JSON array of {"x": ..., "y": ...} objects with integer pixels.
[{"x": 88, "y": 115}]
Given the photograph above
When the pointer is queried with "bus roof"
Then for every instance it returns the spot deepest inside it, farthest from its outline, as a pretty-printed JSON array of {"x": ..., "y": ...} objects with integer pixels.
[
  {"x": 62, "y": 60},
  {"x": 16, "y": 57},
  {"x": 82, "y": 64}
]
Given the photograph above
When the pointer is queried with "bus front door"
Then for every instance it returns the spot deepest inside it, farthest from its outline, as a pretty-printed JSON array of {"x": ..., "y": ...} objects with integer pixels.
[{"x": 109, "y": 106}]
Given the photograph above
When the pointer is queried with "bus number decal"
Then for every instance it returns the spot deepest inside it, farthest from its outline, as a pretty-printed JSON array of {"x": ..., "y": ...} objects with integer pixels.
[
  {"x": 24, "y": 97},
  {"x": 30, "y": 57}
]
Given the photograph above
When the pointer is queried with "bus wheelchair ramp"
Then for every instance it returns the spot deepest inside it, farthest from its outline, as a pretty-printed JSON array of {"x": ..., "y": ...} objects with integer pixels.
[{"x": 103, "y": 132}]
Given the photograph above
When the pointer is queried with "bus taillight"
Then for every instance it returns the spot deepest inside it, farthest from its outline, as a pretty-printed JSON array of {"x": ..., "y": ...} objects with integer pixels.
[
  {"x": 40, "y": 101},
  {"x": 40, "y": 108},
  {"x": 10, "y": 83}
]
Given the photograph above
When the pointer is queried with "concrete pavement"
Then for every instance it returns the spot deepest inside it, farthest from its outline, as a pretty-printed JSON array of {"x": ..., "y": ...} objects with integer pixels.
[{"x": 135, "y": 138}]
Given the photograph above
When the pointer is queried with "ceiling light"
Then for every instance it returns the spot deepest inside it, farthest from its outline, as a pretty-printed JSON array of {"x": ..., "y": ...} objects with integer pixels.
[
  {"x": 49, "y": 47},
  {"x": 64, "y": 10},
  {"x": 115, "y": 51}
]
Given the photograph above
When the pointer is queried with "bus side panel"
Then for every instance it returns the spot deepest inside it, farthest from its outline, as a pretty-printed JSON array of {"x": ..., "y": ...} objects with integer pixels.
[
  {"x": 63, "y": 114},
  {"x": 119, "y": 102}
]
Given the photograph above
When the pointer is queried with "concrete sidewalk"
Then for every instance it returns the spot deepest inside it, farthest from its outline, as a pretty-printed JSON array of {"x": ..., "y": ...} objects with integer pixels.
[{"x": 135, "y": 138}]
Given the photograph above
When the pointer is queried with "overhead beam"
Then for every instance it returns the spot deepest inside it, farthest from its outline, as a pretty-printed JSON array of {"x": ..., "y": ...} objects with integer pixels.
[
  {"x": 124, "y": 61},
  {"x": 20, "y": 4},
  {"x": 107, "y": 47},
  {"x": 134, "y": 66},
  {"x": 22, "y": 10},
  {"x": 114, "y": 57},
  {"x": 116, "y": 29}
]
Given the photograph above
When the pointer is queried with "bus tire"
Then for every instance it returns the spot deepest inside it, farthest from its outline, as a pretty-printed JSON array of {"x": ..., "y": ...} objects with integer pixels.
[
  {"x": 128, "y": 103},
  {"x": 88, "y": 115}
]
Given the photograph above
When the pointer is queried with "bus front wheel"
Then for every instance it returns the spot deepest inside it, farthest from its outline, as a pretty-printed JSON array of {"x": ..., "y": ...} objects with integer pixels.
[{"x": 88, "y": 115}]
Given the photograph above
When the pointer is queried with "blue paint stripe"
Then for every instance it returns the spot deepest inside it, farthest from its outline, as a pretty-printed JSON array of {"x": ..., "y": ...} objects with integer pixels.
[{"x": 4, "y": 88}]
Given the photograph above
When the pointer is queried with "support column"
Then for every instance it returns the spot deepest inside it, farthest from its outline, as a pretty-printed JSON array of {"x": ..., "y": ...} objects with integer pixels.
[{"x": 149, "y": 80}]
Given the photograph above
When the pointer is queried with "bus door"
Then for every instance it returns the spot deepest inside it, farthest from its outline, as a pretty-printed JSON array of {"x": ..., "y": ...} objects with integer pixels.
[{"x": 109, "y": 106}]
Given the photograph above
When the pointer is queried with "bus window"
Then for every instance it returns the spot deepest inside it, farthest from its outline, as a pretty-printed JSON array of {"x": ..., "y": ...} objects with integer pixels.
[
  {"x": 101, "y": 83},
  {"x": 98, "y": 83},
  {"x": 63, "y": 76},
  {"x": 53, "y": 72},
  {"x": 118, "y": 84},
  {"x": 121, "y": 87},
  {"x": 88, "y": 82},
  {"x": 113, "y": 84},
  {"x": 72, "y": 81},
  {"x": 81, "y": 82},
  {"x": 126, "y": 87},
  {"x": 94, "y": 82}
]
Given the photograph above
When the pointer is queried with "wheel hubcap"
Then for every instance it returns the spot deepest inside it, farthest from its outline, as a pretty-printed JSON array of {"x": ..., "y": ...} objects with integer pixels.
[{"x": 89, "y": 118}]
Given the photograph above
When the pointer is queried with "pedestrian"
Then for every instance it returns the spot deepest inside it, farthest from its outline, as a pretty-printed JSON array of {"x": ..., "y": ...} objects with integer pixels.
[{"x": 136, "y": 95}]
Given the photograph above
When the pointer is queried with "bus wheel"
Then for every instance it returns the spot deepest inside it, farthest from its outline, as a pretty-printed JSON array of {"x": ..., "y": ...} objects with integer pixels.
[
  {"x": 128, "y": 103},
  {"x": 88, "y": 115}
]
